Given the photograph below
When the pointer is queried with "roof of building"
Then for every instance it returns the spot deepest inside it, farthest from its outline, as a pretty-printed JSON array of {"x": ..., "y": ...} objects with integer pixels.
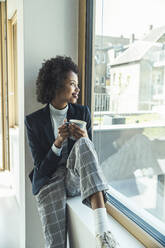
[
  {"x": 138, "y": 49},
  {"x": 106, "y": 42}
]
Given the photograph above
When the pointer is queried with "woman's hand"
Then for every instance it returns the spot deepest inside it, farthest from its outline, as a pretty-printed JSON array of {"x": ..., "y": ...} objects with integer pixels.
[
  {"x": 63, "y": 133},
  {"x": 76, "y": 131}
]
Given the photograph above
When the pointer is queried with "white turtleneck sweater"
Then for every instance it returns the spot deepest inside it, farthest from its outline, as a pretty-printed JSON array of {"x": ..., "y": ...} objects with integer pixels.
[{"x": 57, "y": 118}]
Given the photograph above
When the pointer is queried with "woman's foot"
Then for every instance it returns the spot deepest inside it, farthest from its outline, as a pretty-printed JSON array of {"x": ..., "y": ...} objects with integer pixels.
[{"x": 106, "y": 240}]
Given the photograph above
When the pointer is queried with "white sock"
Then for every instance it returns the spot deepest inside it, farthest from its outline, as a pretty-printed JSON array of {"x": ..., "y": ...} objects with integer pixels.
[{"x": 100, "y": 220}]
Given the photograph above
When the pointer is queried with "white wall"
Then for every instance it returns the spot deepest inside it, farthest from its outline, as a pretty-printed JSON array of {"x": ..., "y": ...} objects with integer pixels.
[
  {"x": 45, "y": 29},
  {"x": 17, "y": 135},
  {"x": 119, "y": 95},
  {"x": 12, "y": 7},
  {"x": 50, "y": 28}
]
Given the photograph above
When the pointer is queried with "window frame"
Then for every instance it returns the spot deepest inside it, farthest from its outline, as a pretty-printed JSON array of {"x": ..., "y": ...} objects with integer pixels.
[
  {"x": 144, "y": 232},
  {"x": 4, "y": 87},
  {"x": 12, "y": 71}
]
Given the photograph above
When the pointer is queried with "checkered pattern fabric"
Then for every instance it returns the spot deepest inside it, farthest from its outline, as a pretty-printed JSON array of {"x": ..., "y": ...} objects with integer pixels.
[{"x": 82, "y": 175}]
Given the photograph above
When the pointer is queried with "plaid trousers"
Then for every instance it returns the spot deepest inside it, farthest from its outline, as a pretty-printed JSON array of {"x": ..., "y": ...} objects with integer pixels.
[{"x": 82, "y": 175}]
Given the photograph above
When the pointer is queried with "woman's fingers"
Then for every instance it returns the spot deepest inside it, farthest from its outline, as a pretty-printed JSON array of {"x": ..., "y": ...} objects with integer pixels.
[
  {"x": 77, "y": 132},
  {"x": 63, "y": 131},
  {"x": 75, "y": 127},
  {"x": 71, "y": 130},
  {"x": 63, "y": 128}
]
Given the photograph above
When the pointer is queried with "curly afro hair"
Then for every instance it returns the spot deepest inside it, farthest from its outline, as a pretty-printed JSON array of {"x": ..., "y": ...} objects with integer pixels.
[{"x": 51, "y": 77}]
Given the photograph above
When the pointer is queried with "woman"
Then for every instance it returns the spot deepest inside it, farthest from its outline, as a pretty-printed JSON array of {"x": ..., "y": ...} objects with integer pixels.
[{"x": 63, "y": 166}]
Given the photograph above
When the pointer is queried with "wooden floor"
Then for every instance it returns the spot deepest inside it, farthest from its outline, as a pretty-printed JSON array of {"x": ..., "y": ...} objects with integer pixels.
[{"x": 9, "y": 218}]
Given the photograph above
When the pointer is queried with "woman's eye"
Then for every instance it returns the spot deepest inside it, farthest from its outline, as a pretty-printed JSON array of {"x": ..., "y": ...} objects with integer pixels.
[{"x": 75, "y": 85}]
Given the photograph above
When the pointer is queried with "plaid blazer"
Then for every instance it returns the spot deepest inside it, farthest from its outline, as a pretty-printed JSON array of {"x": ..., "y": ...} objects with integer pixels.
[{"x": 41, "y": 137}]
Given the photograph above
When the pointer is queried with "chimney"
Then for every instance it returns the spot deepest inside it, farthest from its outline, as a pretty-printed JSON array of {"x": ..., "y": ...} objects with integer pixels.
[
  {"x": 150, "y": 27},
  {"x": 132, "y": 38}
]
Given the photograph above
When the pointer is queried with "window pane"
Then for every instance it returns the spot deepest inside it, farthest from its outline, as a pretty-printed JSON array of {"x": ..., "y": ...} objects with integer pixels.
[{"x": 129, "y": 102}]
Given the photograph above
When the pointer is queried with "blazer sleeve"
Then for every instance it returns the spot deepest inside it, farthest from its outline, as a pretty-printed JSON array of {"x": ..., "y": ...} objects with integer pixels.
[
  {"x": 45, "y": 161},
  {"x": 87, "y": 118}
]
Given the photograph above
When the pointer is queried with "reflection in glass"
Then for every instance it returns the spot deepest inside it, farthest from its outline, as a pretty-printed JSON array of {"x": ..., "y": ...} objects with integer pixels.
[{"x": 137, "y": 168}]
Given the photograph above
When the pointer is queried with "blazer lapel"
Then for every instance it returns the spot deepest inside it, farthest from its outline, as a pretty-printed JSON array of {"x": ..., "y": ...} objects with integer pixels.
[
  {"x": 48, "y": 125},
  {"x": 71, "y": 112},
  {"x": 70, "y": 115}
]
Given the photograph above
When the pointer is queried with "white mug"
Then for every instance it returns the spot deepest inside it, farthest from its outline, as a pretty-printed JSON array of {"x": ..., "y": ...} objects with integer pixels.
[{"x": 80, "y": 123}]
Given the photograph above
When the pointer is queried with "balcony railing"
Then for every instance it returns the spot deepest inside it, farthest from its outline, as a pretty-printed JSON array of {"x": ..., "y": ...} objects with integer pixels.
[{"x": 102, "y": 101}]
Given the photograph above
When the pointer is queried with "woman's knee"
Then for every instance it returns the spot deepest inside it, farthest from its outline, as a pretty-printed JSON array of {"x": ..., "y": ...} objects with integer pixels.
[{"x": 84, "y": 140}]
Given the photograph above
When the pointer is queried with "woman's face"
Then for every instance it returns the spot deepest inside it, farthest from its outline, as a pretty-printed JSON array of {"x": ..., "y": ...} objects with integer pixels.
[{"x": 70, "y": 92}]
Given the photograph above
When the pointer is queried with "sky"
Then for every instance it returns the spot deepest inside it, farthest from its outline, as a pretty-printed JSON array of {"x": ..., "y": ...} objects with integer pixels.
[{"x": 124, "y": 17}]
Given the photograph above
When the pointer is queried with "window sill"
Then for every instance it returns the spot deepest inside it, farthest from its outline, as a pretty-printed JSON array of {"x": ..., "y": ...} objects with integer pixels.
[{"x": 81, "y": 227}]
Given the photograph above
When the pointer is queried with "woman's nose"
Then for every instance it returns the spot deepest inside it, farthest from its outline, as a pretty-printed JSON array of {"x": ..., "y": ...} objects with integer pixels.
[{"x": 77, "y": 89}]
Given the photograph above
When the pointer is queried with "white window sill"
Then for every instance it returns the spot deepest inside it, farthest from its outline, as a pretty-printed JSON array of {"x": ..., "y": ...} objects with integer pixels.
[{"x": 81, "y": 227}]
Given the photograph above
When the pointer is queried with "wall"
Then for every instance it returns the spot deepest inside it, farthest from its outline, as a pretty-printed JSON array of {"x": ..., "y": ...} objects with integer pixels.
[
  {"x": 45, "y": 29},
  {"x": 127, "y": 89},
  {"x": 12, "y": 6},
  {"x": 17, "y": 135},
  {"x": 145, "y": 87},
  {"x": 50, "y": 28}
]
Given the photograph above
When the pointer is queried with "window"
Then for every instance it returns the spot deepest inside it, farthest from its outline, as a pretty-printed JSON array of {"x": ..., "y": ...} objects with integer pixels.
[
  {"x": 129, "y": 134},
  {"x": 108, "y": 71},
  {"x": 103, "y": 81},
  {"x": 12, "y": 71},
  {"x": 4, "y": 141},
  {"x": 114, "y": 78}
]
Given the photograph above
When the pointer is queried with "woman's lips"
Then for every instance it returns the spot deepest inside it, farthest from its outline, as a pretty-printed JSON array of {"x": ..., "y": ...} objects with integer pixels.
[{"x": 75, "y": 95}]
